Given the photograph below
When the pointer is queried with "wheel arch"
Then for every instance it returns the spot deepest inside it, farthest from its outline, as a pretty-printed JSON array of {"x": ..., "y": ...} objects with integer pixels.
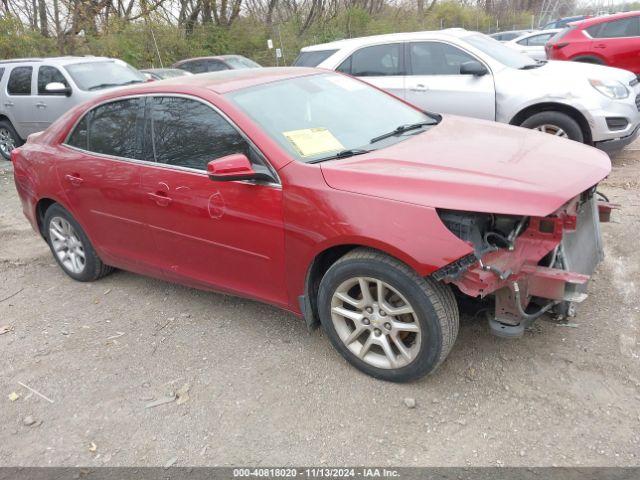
[
  {"x": 589, "y": 58},
  {"x": 321, "y": 262},
  {"x": 42, "y": 205},
  {"x": 573, "y": 112}
]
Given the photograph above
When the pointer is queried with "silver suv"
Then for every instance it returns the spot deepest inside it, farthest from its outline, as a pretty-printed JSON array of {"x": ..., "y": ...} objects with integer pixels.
[{"x": 36, "y": 91}]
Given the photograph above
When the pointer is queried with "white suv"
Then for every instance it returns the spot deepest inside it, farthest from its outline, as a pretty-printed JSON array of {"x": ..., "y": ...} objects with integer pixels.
[
  {"x": 467, "y": 73},
  {"x": 36, "y": 91}
]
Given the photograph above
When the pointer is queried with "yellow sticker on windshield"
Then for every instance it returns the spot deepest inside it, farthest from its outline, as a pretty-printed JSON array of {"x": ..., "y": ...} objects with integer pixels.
[{"x": 313, "y": 141}]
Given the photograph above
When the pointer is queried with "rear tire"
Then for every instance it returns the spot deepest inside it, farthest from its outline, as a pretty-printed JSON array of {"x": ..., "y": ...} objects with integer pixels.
[
  {"x": 555, "y": 123},
  {"x": 71, "y": 247},
  {"x": 9, "y": 139},
  {"x": 400, "y": 338}
]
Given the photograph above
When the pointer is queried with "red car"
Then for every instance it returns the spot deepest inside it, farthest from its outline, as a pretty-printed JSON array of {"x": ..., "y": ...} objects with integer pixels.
[
  {"x": 324, "y": 196},
  {"x": 612, "y": 40}
]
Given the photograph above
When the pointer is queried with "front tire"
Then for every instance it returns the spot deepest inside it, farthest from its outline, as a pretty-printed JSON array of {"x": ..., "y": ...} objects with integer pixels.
[
  {"x": 384, "y": 319},
  {"x": 9, "y": 139},
  {"x": 71, "y": 247},
  {"x": 555, "y": 123}
]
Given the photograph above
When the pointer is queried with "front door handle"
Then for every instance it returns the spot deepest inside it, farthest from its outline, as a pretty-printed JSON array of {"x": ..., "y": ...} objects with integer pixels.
[
  {"x": 419, "y": 88},
  {"x": 41, "y": 105},
  {"x": 160, "y": 198},
  {"x": 74, "y": 180},
  {"x": 9, "y": 104}
]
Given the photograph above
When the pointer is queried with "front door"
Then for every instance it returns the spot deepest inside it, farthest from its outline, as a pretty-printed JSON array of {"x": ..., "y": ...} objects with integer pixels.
[
  {"x": 99, "y": 171},
  {"x": 221, "y": 235},
  {"x": 48, "y": 107},
  {"x": 379, "y": 65},
  {"x": 434, "y": 82}
]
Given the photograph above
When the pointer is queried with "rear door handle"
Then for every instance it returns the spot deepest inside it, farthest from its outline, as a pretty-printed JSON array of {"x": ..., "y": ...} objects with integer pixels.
[
  {"x": 74, "y": 180},
  {"x": 600, "y": 45},
  {"x": 41, "y": 105},
  {"x": 160, "y": 198},
  {"x": 419, "y": 88},
  {"x": 9, "y": 104}
]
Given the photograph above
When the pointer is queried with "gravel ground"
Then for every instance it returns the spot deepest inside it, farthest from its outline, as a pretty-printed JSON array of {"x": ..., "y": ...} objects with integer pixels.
[{"x": 263, "y": 391}]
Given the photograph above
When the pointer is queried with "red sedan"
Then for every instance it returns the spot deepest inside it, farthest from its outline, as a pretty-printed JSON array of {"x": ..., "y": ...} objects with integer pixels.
[
  {"x": 322, "y": 195},
  {"x": 612, "y": 40}
]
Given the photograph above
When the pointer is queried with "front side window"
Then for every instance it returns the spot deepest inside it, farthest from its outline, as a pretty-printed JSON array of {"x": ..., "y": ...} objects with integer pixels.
[
  {"x": 99, "y": 75},
  {"x": 188, "y": 133},
  {"x": 375, "y": 61},
  {"x": 625, "y": 27},
  {"x": 215, "y": 66},
  {"x": 197, "y": 66},
  {"x": 111, "y": 129},
  {"x": 20, "y": 81},
  {"x": 436, "y": 58},
  {"x": 47, "y": 75},
  {"x": 315, "y": 116}
]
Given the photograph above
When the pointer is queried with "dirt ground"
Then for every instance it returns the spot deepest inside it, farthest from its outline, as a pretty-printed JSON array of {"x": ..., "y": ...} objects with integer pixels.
[{"x": 263, "y": 391}]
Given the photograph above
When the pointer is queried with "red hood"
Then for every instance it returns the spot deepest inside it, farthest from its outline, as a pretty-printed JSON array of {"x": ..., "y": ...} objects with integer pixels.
[{"x": 474, "y": 165}]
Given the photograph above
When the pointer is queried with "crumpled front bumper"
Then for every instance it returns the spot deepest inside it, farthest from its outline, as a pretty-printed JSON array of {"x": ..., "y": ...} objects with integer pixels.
[{"x": 523, "y": 285}]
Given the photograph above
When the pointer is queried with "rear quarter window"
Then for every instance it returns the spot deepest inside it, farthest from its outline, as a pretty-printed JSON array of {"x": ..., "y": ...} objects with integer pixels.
[{"x": 312, "y": 59}]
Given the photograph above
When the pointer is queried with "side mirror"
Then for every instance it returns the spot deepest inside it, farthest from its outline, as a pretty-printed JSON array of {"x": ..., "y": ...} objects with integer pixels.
[
  {"x": 57, "y": 88},
  {"x": 234, "y": 167},
  {"x": 473, "y": 68}
]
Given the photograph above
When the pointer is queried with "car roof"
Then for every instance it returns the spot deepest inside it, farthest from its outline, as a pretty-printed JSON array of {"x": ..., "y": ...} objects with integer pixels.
[
  {"x": 391, "y": 37},
  {"x": 605, "y": 18},
  {"x": 62, "y": 61},
  {"x": 224, "y": 81},
  {"x": 210, "y": 57}
]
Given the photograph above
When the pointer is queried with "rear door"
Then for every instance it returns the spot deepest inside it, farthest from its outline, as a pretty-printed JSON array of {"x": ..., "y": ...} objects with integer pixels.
[
  {"x": 380, "y": 65},
  {"x": 618, "y": 42},
  {"x": 48, "y": 107},
  {"x": 99, "y": 169},
  {"x": 434, "y": 82},
  {"x": 18, "y": 101}
]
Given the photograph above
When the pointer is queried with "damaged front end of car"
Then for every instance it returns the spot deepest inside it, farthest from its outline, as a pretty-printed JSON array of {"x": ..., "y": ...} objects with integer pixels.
[{"x": 528, "y": 265}]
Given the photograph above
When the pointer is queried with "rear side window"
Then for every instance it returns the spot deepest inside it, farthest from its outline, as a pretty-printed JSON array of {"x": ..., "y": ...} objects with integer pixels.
[
  {"x": 625, "y": 27},
  {"x": 375, "y": 61},
  {"x": 47, "y": 75},
  {"x": 312, "y": 59},
  {"x": 536, "y": 40},
  {"x": 111, "y": 129},
  {"x": 20, "y": 81},
  {"x": 188, "y": 133}
]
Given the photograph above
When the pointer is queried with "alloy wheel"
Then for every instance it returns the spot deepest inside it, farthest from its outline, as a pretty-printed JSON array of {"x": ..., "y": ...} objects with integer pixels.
[
  {"x": 67, "y": 246},
  {"x": 7, "y": 142},
  {"x": 375, "y": 322},
  {"x": 552, "y": 130}
]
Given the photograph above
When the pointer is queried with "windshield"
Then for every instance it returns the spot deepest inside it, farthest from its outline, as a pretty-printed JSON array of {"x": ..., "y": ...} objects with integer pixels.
[
  {"x": 317, "y": 116},
  {"x": 241, "y": 62},
  {"x": 503, "y": 54},
  {"x": 98, "y": 75}
]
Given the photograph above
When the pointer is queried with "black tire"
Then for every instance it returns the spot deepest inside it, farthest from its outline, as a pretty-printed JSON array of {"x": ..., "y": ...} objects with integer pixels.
[
  {"x": 434, "y": 304},
  {"x": 588, "y": 59},
  {"x": 5, "y": 125},
  {"x": 558, "y": 120},
  {"x": 94, "y": 268}
]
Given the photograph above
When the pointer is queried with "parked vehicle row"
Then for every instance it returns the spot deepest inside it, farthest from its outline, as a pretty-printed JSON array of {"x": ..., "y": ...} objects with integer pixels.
[
  {"x": 466, "y": 73},
  {"x": 320, "y": 194}
]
